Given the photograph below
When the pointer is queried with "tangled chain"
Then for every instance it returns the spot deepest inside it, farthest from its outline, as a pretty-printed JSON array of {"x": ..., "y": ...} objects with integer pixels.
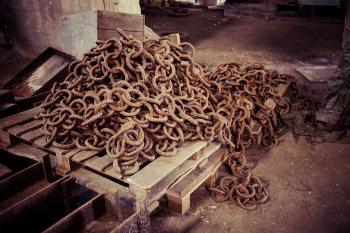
[
  {"x": 137, "y": 100},
  {"x": 133, "y": 99},
  {"x": 242, "y": 91}
]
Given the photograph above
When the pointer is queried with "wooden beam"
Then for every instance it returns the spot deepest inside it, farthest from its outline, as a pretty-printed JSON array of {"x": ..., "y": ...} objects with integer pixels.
[
  {"x": 79, "y": 218},
  {"x": 28, "y": 214},
  {"x": 127, "y": 22},
  {"x": 179, "y": 195},
  {"x": 162, "y": 166},
  {"x": 36, "y": 154},
  {"x": 18, "y": 118},
  {"x": 21, "y": 180}
]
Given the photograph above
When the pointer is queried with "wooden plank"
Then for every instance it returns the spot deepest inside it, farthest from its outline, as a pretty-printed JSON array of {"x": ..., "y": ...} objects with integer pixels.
[
  {"x": 179, "y": 205},
  {"x": 6, "y": 96},
  {"x": 20, "y": 129},
  {"x": 112, "y": 172},
  {"x": 20, "y": 180},
  {"x": 319, "y": 74},
  {"x": 4, "y": 171},
  {"x": 211, "y": 148},
  {"x": 79, "y": 218},
  {"x": 18, "y": 118},
  {"x": 193, "y": 180},
  {"x": 282, "y": 88},
  {"x": 83, "y": 155},
  {"x": 51, "y": 200},
  {"x": 27, "y": 151},
  {"x": 99, "y": 163},
  {"x": 148, "y": 196},
  {"x": 101, "y": 185},
  {"x": 41, "y": 74},
  {"x": 104, "y": 34},
  {"x": 36, "y": 154},
  {"x": 40, "y": 142},
  {"x": 179, "y": 195},
  {"x": 161, "y": 167},
  {"x": 64, "y": 165},
  {"x": 175, "y": 38},
  {"x": 7, "y": 109},
  {"x": 149, "y": 33},
  {"x": 33, "y": 134},
  {"x": 112, "y": 20}
]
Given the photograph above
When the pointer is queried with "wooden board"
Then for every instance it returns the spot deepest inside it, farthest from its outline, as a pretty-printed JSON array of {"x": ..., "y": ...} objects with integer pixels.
[
  {"x": 318, "y": 74},
  {"x": 81, "y": 156},
  {"x": 38, "y": 76},
  {"x": 16, "y": 119},
  {"x": 27, "y": 151},
  {"x": 179, "y": 195},
  {"x": 32, "y": 134},
  {"x": 6, "y": 96},
  {"x": 99, "y": 163},
  {"x": 199, "y": 175},
  {"x": 96, "y": 25},
  {"x": 105, "y": 34},
  {"x": 153, "y": 179},
  {"x": 161, "y": 167},
  {"x": 4, "y": 171},
  {"x": 171, "y": 174},
  {"x": 112, "y": 20},
  {"x": 20, "y": 129}
]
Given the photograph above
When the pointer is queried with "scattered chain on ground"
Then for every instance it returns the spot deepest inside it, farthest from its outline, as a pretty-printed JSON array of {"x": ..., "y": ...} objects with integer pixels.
[
  {"x": 248, "y": 95},
  {"x": 138, "y": 100}
]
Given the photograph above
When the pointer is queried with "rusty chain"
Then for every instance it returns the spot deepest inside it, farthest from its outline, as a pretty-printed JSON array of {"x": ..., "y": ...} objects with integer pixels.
[{"x": 137, "y": 100}]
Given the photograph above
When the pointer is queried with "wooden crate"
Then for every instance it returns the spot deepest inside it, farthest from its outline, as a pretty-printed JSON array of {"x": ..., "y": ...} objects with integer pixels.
[
  {"x": 79, "y": 32},
  {"x": 148, "y": 185}
]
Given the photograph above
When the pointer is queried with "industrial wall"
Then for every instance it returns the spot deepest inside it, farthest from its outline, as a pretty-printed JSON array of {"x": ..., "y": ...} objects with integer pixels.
[{"x": 35, "y": 23}]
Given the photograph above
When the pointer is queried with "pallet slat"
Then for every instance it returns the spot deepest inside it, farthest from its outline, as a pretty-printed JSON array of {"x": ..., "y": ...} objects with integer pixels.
[
  {"x": 28, "y": 151},
  {"x": 99, "y": 163},
  {"x": 80, "y": 217},
  {"x": 161, "y": 167},
  {"x": 20, "y": 129},
  {"x": 33, "y": 134},
  {"x": 179, "y": 195},
  {"x": 83, "y": 155},
  {"x": 18, "y": 118}
]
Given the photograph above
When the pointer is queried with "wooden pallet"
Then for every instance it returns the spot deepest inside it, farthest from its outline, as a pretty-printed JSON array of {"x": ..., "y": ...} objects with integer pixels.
[
  {"x": 179, "y": 196},
  {"x": 149, "y": 184},
  {"x": 82, "y": 199}
]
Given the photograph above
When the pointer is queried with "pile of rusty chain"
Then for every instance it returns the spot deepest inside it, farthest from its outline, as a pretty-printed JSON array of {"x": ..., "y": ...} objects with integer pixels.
[
  {"x": 137, "y": 100},
  {"x": 243, "y": 90}
]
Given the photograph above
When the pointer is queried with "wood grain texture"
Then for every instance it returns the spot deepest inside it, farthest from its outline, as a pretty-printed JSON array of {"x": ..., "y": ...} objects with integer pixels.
[
  {"x": 161, "y": 167},
  {"x": 128, "y": 22}
]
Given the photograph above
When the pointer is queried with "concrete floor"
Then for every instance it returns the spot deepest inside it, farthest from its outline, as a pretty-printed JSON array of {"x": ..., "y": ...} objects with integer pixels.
[
  {"x": 278, "y": 43},
  {"x": 308, "y": 183}
]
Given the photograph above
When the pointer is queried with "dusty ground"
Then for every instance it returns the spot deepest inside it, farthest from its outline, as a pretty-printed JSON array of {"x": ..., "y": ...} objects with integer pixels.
[
  {"x": 277, "y": 43},
  {"x": 309, "y": 184},
  {"x": 309, "y": 188}
]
